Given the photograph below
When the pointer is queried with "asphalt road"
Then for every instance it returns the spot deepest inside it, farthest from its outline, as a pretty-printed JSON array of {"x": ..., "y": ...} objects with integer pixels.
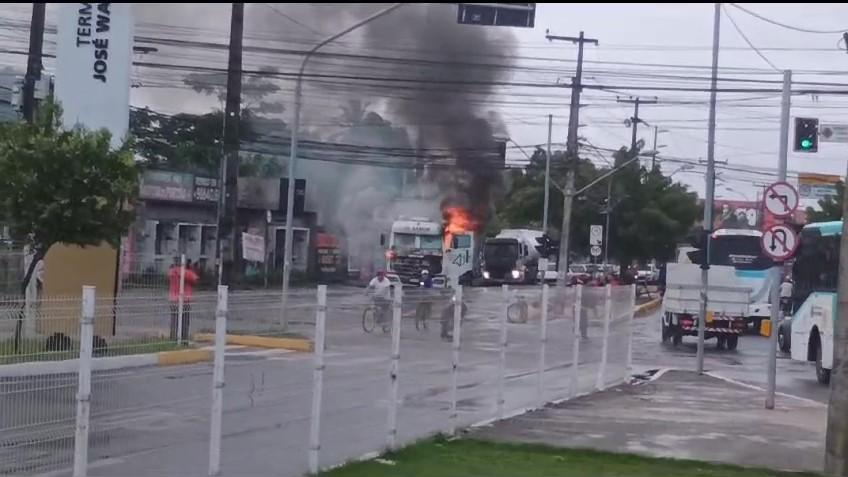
[{"x": 747, "y": 364}]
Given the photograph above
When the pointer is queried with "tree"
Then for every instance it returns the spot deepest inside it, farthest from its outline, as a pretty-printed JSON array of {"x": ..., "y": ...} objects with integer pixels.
[
  {"x": 650, "y": 213},
  {"x": 831, "y": 206},
  {"x": 59, "y": 186}
]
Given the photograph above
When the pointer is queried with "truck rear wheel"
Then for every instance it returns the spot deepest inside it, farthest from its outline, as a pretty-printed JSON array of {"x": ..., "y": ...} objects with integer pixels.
[
  {"x": 676, "y": 337},
  {"x": 721, "y": 341},
  {"x": 666, "y": 332},
  {"x": 732, "y": 342}
]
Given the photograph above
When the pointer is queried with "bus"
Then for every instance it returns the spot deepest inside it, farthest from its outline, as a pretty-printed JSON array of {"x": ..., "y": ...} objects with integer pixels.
[
  {"x": 741, "y": 249},
  {"x": 815, "y": 273}
]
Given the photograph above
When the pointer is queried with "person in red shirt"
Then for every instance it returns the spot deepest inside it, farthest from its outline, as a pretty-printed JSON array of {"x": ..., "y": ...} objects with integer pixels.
[{"x": 190, "y": 279}]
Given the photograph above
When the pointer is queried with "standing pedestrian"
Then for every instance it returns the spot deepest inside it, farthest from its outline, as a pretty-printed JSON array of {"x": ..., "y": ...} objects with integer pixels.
[{"x": 190, "y": 278}]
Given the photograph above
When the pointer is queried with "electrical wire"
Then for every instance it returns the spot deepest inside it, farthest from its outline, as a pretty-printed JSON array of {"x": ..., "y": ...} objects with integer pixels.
[
  {"x": 784, "y": 25},
  {"x": 744, "y": 37}
]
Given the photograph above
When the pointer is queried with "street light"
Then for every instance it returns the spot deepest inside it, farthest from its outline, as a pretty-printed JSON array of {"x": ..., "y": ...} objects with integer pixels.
[{"x": 298, "y": 99}]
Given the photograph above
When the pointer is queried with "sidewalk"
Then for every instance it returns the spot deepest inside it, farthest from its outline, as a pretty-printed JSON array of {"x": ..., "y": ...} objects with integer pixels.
[{"x": 681, "y": 415}]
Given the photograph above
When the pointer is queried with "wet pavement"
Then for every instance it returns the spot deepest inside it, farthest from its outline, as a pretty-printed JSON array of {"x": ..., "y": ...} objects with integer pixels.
[{"x": 681, "y": 415}]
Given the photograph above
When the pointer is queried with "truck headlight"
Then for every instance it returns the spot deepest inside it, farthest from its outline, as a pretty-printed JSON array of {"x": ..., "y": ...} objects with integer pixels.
[
  {"x": 486, "y": 275},
  {"x": 515, "y": 274}
]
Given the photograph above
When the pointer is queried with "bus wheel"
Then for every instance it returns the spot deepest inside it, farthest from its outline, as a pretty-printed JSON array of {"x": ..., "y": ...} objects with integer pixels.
[
  {"x": 822, "y": 374},
  {"x": 732, "y": 342}
]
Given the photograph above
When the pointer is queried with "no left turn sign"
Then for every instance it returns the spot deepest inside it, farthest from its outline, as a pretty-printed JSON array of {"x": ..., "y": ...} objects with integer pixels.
[
  {"x": 779, "y": 242},
  {"x": 780, "y": 199}
]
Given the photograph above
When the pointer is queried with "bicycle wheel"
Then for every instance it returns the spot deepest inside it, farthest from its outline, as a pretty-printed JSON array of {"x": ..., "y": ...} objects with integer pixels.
[
  {"x": 517, "y": 313},
  {"x": 369, "y": 319}
]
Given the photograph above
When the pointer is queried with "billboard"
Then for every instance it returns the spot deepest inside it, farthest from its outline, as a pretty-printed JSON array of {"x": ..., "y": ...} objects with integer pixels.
[
  {"x": 817, "y": 186},
  {"x": 736, "y": 214},
  {"x": 93, "y": 59},
  {"x": 168, "y": 186}
]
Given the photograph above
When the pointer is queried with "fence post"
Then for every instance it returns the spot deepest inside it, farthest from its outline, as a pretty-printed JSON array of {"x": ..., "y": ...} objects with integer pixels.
[
  {"x": 181, "y": 300},
  {"x": 457, "y": 317},
  {"x": 502, "y": 361},
  {"x": 317, "y": 380},
  {"x": 391, "y": 434},
  {"x": 543, "y": 341},
  {"x": 575, "y": 351},
  {"x": 602, "y": 370},
  {"x": 632, "y": 308},
  {"x": 84, "y": 383},
  {"x": 218, "y": 381}
]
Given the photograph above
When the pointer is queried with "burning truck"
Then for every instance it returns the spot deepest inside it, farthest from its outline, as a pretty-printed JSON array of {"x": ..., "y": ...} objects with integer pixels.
[{"x": 447, "y": 247}]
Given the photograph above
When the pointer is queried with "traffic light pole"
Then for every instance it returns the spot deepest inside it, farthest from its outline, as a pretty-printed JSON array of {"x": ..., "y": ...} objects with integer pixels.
[
  {"x": 571, "y": 154},
  {"x": 776, "y": 271}
]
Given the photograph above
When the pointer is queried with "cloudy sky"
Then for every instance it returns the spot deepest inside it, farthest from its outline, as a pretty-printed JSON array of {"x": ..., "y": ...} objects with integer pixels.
[{"x": 642, "y": 46}]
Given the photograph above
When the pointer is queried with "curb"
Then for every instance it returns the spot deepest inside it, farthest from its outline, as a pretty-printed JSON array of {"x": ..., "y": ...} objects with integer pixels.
[
  {"x": 292, "y": 344},
  {"x": 109, "y": 363},
  {"x": 186, "y": 356},
  {"x": 649, "y": 306}
]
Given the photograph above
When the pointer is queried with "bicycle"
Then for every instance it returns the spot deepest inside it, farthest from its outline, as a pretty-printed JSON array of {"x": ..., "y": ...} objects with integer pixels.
[{"x": 370, "y": 318}]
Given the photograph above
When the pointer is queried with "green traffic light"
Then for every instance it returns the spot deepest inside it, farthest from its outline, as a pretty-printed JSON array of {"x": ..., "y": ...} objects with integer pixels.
[{"x": 806, "y": 143}]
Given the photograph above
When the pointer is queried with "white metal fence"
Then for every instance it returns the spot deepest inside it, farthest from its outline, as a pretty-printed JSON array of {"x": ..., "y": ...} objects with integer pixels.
[{"x": 381, "y": 376}]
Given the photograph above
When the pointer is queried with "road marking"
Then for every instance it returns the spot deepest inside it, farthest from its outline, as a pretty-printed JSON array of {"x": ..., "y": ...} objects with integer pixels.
[{"x": 751, "y": 386}]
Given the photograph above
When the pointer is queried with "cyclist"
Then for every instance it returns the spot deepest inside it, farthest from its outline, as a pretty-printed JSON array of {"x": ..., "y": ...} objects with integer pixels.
[
  {"x": 424, "y": 306},
  {"x": 380, "y": 289}
]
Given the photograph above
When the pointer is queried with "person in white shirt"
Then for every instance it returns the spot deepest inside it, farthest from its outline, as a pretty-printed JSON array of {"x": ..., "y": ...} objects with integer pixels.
[
  {"x": 786, "y": 296},
  {"x": 380, "y": 289}
]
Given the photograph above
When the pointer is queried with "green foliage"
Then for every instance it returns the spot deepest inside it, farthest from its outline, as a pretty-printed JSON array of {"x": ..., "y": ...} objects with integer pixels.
[
  {"x": 650, "y": 213},
  {"x": 831, "y": 206},
  {"x": 64, "y": 186}
]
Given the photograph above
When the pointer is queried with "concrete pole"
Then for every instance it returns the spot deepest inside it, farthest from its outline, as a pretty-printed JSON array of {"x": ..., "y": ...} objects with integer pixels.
[
  {"x": 776, "y": 271},
  {"x": 547, "y": 175},
  {"x": 836, "y": 442},
  {"x": 710, "y": 191}
]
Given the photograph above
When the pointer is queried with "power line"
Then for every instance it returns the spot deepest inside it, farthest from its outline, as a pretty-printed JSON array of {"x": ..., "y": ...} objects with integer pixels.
[
  {"x": 790, "y": 27},
  {"x": 742, "y": 34}
]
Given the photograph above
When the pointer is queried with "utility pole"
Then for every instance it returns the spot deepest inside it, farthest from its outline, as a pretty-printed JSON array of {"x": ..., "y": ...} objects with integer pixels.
[
  {"x": 654, "y": 155},
  {"x": 547, "y": 175},
  {"x": 228, "y": 239},
  {"x": 571, "y": 153},
  {"x": 607, "y": 222},
  {"x": 836, "y": 442},
  {"x": 710, "y": 193},
  {"x": 634, "y": 121},
  {"x": 777, "y": 269},
  {"x": 34, "y": 66}
]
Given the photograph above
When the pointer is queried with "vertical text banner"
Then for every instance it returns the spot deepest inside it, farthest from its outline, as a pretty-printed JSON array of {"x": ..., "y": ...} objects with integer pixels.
[{"x": 93, "y": 64}]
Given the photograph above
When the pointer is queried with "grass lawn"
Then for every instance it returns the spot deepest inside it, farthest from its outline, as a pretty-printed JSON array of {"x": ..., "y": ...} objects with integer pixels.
[
  {"x": 35, "y": 350},
  {"x": 475, "y": 458}
]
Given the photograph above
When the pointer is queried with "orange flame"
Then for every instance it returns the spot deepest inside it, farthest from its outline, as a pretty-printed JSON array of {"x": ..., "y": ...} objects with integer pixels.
[{"x": 457, "y": 220}]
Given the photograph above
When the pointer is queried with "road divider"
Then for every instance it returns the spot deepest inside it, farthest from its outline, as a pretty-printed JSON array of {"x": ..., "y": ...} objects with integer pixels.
[
  {"x": 648, "y": 307},
  {"x": 290, "y": 343}
]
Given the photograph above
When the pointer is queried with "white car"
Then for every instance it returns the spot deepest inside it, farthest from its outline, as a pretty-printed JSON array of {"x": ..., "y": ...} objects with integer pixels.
[{"x": 549, "y": 275}]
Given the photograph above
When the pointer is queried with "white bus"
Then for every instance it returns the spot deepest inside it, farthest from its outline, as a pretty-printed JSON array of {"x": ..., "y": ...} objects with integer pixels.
[{"x": 815, "y": 275}]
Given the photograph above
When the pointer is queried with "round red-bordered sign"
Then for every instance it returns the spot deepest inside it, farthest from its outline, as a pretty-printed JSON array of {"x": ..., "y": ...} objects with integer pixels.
[
  {"x": 781, "y": 199},
  {"x": 780, "y": 242}
]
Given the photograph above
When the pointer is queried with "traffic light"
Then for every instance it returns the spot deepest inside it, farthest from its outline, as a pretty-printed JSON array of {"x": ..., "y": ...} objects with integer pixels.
[
  {"x": 547, "y": 247},
  {"x": 806, "y": 135},
  {"x": 544, "y": 244}
]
